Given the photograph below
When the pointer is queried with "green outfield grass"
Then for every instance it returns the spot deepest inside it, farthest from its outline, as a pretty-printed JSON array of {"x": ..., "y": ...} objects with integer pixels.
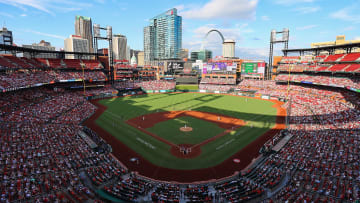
[
  {"x": 258, "y": 114},
  {"x": 187, "y": 87},
  {"x": 202, "y": 130}
]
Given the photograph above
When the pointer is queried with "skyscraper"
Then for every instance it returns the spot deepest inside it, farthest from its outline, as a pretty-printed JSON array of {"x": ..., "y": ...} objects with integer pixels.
[
  {"x": 6, "y": 38},
  {"x": 119, "y": 45},
  {"x": 76, "y": 43},
  {"x": 83, "y": 28},
  {"x": 149, "y": 44},
  {"x": 128, "y": 56},
  {"x": 163, "y": 36}
]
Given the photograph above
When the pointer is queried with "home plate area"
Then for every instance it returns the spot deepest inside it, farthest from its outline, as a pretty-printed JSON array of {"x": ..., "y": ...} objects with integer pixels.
[{"x": 186, "y": 150}]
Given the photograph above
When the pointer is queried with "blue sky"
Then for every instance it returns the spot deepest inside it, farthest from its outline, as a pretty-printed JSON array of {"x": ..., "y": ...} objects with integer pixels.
[{"x": 248, "y": 22}]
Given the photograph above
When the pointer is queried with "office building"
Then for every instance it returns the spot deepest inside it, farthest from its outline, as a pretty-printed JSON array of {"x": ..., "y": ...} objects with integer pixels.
[
  {"x": 43, "y": 45},
  {"x": 140, "y": 58},
  {"x": 128, "y": 56},
  {"x": 149, "y": 43},
  {"x": 203, "y": 55},
  {"x": 6, "y": 37},
  {"x": 83, "y": 28},
  {"x": 163, "y": 36},
  {"x": 119, "y": 46},
  {"x": 76, "y": 44}
]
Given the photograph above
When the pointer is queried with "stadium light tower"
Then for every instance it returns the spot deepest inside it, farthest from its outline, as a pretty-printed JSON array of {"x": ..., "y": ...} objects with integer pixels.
[
  {"x": 108, "y": 37},
  {"x": 273, "y": 40}
]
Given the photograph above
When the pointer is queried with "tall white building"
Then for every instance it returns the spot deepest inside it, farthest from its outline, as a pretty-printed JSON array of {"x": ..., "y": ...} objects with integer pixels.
[
  {"x": 229, "y": 48},
  {"x": 119, "y": 46},
  {"x": 76, "y": 44}
]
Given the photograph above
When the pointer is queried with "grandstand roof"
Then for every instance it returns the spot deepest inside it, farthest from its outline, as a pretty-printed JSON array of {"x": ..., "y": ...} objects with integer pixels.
[{"x": 317, "y": 50}]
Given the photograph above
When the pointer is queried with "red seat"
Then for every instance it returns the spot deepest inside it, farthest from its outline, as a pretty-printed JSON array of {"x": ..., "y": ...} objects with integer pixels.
[
  {"x": 351, "y": 57},
  {"x": 331, "y": 58},
  {"x": 338, "y": 67},
  {"x": 353, "y": 68}
]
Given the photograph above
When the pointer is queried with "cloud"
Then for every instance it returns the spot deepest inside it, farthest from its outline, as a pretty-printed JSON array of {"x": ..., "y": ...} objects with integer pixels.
[
  {"x": 347, "y": 14},
  {"x": 357, "y": 38},
  {"x": 291, "y": 2},
  {"x": 222, "y": 9},
  {"x": 179, "y": 7},
  {"x": 306, "y": 27},
  {"x": 47, "y": 6},
  {"x": 23, "y": 15},
  {"x": 307, "y": 9},
  {"x": 349, "y": 28},
  {"x": 6, "y": 14},
  {"x": 45, "y": 34},
  {"x": 265, "y": 18}
]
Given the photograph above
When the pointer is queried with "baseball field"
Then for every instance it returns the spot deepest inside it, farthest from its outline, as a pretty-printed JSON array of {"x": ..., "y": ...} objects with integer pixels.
[{"x": 186, "y": 132}]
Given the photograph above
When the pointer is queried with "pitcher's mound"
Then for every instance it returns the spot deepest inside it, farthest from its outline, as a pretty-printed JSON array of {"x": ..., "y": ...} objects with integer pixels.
[{"x": 186, "y": 129}]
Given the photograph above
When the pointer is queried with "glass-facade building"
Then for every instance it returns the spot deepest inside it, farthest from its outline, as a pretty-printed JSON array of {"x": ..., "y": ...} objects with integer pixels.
[
  {"x": 6, "y": 38},
  {"x": 163, "y": 36}
]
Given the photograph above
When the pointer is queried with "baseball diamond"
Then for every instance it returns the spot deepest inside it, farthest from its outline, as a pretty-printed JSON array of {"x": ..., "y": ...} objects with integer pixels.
[{"x": 224, "y": 127}]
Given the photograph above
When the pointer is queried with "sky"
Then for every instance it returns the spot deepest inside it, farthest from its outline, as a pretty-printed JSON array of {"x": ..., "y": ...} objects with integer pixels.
[{"x": 248, "y": 22}]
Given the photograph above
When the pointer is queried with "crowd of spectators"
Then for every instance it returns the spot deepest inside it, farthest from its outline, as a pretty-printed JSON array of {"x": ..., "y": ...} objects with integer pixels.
[
  {"x": 100, "y": 90},
  {"x": 166, "y": 193},
  {"x": 127, "y": 84},
  {"x": 219, "y": 81},
  {"x": 88, "y": 75},
  {"x": 321, "y": 156},
  {"x": 102, "y": 145},
  {"x": 238, "y": 190},
  {"x": 129, "y": 189},
  {"x": 42, "y": 156},
  {"x": 156, "y": 85},
  {"x": 26, "y": 78},
  {"x": 12, "y": 62},
  {"x": 325, "y": 80},
  {"x": 195, "y": 193},
  {"x": 41, "y": 152},
  {"x": 221, "y": 88}
]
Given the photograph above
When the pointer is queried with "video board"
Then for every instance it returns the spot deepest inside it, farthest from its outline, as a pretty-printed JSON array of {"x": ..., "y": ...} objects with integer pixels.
[{"x": 248, "y": 68}]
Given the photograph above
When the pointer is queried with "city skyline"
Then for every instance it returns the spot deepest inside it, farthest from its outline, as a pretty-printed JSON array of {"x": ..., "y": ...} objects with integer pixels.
[{"x": 248, "y": 22}]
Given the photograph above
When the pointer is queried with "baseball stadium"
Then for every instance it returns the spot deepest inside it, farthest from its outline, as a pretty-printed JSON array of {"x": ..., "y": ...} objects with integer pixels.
[{"x": 88, "y": 126}]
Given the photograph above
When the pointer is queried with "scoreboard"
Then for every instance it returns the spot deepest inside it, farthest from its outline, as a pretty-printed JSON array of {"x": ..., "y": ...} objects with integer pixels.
[{"x": 249, "y": 68}]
